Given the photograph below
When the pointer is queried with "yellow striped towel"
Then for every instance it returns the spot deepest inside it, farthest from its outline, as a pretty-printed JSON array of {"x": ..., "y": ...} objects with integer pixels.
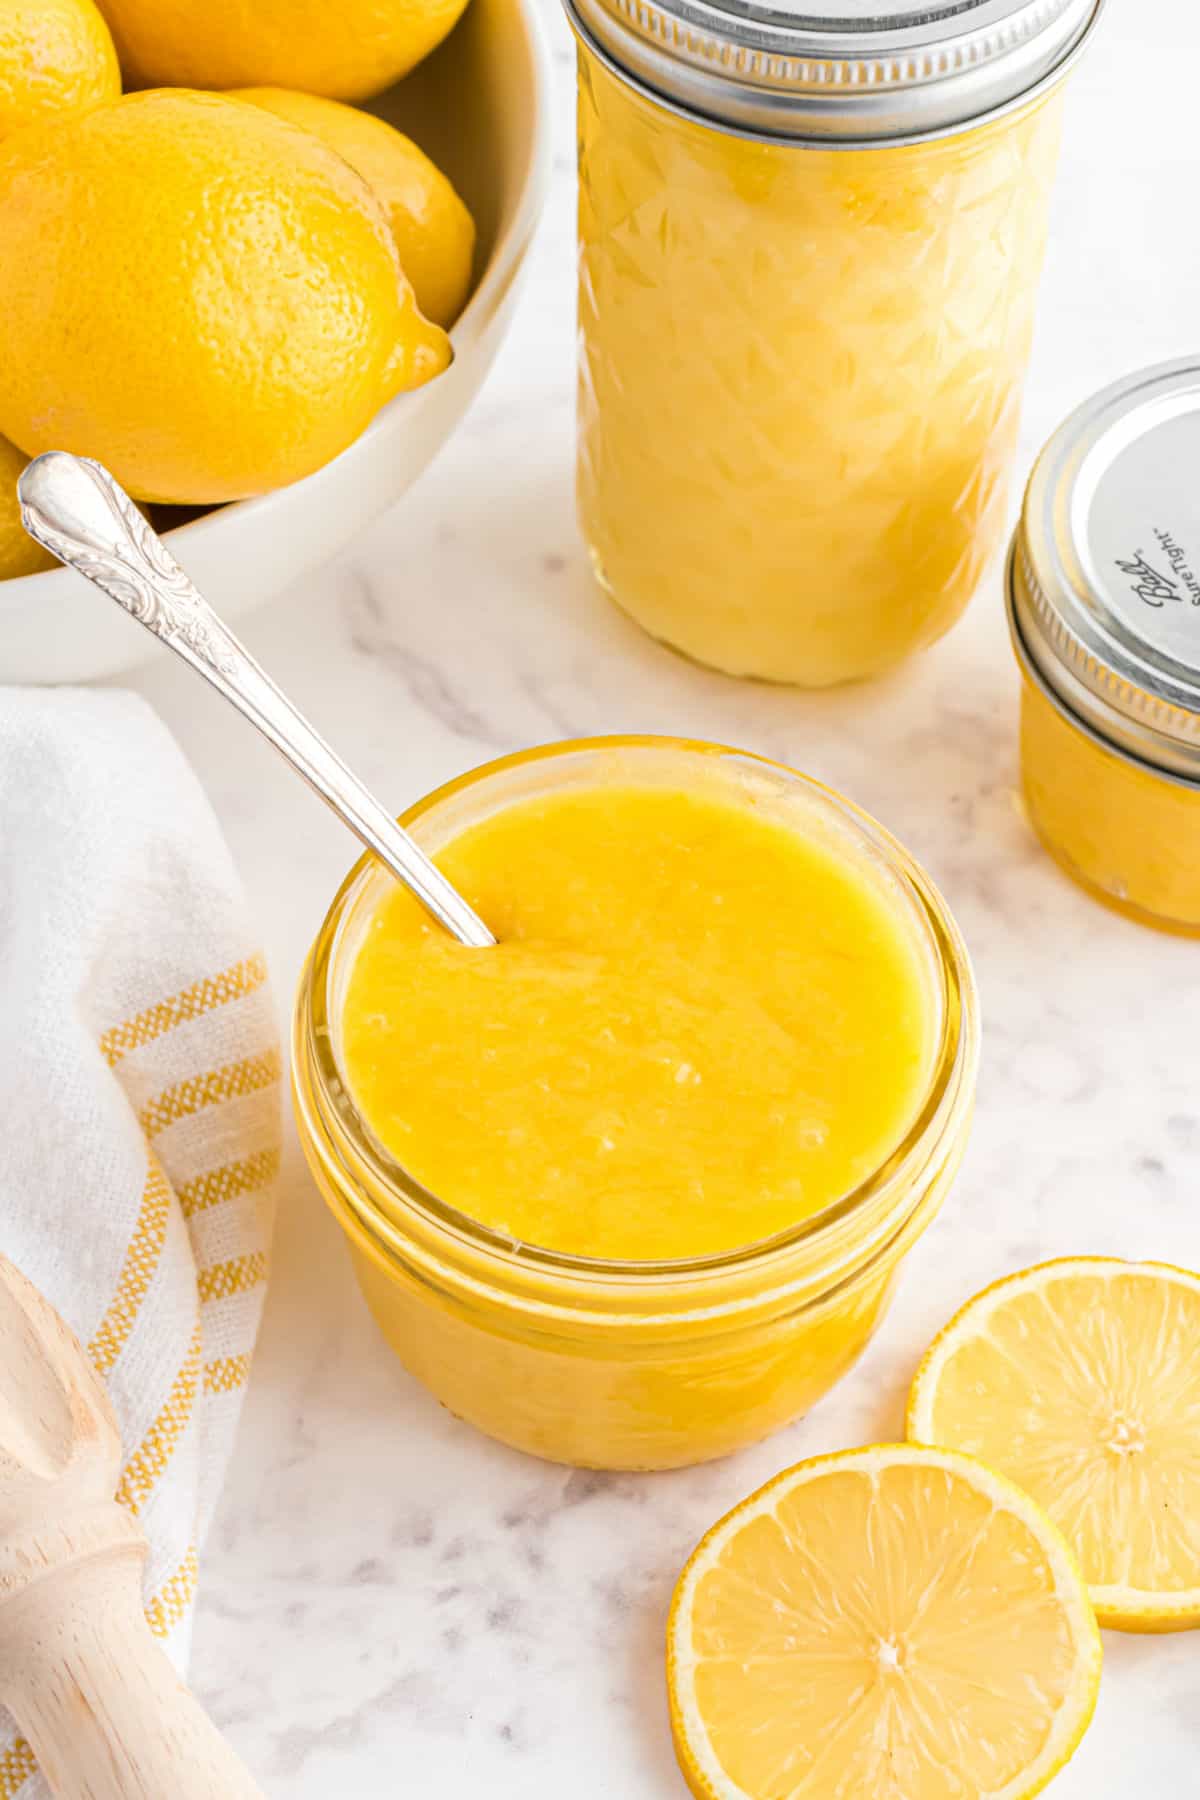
[{"x": 139, "y": 1104}]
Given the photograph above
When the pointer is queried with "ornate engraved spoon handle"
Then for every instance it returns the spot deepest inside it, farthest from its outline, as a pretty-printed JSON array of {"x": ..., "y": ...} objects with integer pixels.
[{"x": 75, "y": 508}]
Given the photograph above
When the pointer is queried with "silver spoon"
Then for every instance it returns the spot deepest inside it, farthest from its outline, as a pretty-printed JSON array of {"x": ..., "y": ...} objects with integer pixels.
[{"x": 73, "y": 507}]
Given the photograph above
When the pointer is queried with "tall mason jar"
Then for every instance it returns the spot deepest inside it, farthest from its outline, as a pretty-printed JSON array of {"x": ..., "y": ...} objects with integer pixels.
[{"x": 809, "y": 249}]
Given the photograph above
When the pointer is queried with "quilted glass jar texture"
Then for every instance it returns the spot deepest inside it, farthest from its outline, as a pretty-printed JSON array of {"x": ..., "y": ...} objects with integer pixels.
[{"x": 800, "y": 371}]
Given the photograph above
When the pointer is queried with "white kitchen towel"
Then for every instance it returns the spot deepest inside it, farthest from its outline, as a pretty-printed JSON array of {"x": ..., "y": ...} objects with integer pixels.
[{"x": 139, "y": 1104}]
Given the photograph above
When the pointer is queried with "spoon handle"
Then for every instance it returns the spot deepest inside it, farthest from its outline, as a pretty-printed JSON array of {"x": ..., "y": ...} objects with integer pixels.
[{"x": 75, "y": 508}]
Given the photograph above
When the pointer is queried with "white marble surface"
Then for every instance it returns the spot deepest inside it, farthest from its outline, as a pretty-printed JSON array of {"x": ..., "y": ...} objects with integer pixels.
[{"x": 390, "y": 1603}]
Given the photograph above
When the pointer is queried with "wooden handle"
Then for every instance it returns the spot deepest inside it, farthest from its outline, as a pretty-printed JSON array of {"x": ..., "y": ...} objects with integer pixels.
[
  {"x": 92, "y": 1689},
  {"x": 80, "y": 1670}
]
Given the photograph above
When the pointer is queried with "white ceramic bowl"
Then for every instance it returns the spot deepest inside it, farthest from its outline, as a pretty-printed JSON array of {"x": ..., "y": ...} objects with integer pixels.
[{"x": 480, "y": 107}]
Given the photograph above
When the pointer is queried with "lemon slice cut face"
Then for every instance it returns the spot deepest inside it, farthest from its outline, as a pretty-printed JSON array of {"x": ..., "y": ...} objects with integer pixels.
[
  {"x": 1080, "y": 1379},
  {"x": 893, "y": 1623}
]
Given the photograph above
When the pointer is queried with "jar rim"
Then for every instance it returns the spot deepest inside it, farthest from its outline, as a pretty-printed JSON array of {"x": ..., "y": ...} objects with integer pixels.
[
  {"x": 1076, "y": 716},
  {"x": 870, "y": 90},
  {"x": 1087, "y": 586},
  {"x": 322, "y": 1089}
]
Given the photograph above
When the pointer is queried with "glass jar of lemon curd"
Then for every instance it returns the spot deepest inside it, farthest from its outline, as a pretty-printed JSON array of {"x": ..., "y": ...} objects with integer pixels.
[
  {"x": 1104, "y": 609},
  {"x": 810, "y": 237},
  {"x": 629, "y": 1363}
]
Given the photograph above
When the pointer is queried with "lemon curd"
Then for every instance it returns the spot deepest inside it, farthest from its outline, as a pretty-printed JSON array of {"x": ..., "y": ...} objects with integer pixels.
[
  {"x": 1127, "y": 833},
  {"x": 800, "y": 379},
  {"x": 809, "y": 250},
  {"x": 633, "y": 1187},
  {"x": 699, "y": 1027}
]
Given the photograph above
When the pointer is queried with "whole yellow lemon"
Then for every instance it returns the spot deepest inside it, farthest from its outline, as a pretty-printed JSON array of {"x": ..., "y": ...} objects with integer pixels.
[
  {"x": 348, "y": 50},
  {"x": 19, "y": 553},
  {"x": 56, "y": 56},
  {"x": 434, "y": 232},
  {"x": 198, "y": 294}
]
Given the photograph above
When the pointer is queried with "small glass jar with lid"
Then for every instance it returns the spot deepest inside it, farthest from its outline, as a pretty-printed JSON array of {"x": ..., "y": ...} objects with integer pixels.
[
  {"x": 1104, "y": 609},
  {"x": 810, "y": 236}
]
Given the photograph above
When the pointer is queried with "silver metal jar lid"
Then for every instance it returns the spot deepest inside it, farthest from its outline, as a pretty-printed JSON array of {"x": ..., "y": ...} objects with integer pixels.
[
  {"x": 843, "y": 72},
  {"x": 1104, "y": 577}
]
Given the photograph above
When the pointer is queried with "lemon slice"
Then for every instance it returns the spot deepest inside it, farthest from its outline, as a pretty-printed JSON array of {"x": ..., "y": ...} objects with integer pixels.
[
  {"x": 1080, "y": 1379},
  {"x": 893, "y": 1623}
]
